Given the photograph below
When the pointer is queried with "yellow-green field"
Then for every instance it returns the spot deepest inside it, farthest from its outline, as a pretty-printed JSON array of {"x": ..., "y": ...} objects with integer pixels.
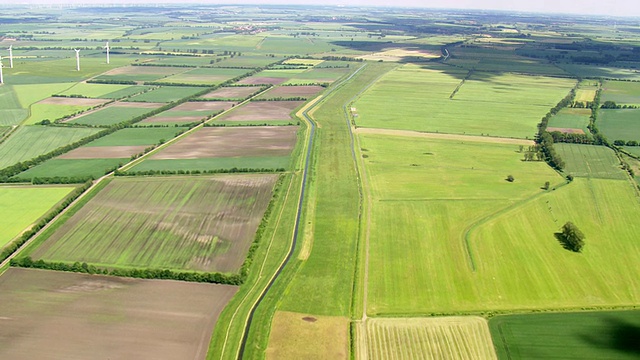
[{"x": 458, "y": 337}]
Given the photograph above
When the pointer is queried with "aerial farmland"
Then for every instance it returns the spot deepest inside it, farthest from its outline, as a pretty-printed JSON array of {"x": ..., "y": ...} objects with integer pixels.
[{"x": 291, "y": 182}]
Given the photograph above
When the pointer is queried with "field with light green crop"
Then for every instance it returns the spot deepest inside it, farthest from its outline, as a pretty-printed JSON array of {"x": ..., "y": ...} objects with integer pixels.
[
  {"x": 446, "y": 204},
  {"x": 79, "y": 168},
  {"x": 571, "y": 118},
  {"x": 165, "y": 223},
  {"x": 589, "y": 161},
  {"x": 110, "y": 115},
  {"x": 137, "y": 136},
  {"x": 497, "y": 105},
  {"x": 620, "y": 124},
  {"x": 579, "y": 335},
  {"x": 97, "y": 90},
  {"x": 221, "y": 163},
  {"x": 166, "y": 94},
  {"x": 29, "y": 142},
  {"x": 24, "y": 205},
  {"x": 621, "y": 92},
  {"x": 207, "y": 76},
  {"x": 53, "y": 112},
  {"x": 11, "y": 112}
]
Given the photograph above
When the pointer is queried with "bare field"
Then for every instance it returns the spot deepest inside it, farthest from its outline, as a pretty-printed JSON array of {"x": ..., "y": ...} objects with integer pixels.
[
  {"x": 459, "y": 337},
  {"x": 102, "y": 152},
  {"x": 47, "y": 314},
  {"x": 565, "y": 130},
  {"x": 262, "y": 80},
  {"x": 292, "y": 91},
  {"x": 263, "y": 110},
  {"x": 144, "y": 70},
  {"x": 211, "y": 142},
  {"x": 73, "y": 101},
  {"x": 182, "y": 223},
  {"x": 204, "y": 106},
  {"x": 235, "y": 92},
  {"x": 301, "y": 336}
]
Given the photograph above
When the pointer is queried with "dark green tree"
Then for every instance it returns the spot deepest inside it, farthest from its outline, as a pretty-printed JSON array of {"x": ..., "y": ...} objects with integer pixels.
[{"x": 572, "y": 237}]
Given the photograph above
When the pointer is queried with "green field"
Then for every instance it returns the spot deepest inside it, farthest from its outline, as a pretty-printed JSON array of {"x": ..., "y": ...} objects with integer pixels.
[
  {"x": 166, "y": 94},
  {"x": 622, "y": 124},
  {"x": 171, "y": 223},
  {"x": 207, "y": 76},
  {"x": 29, "y": 142},
  {"x": 71, "y": 168},
  {"x": 221, "y": 163},
  {"x": 621, "y": 92},
  {"x": 110, "y": 115},
  {"x": 590, "y": 161},
  {"x": 24, "y": 205},
  {"x": 499, "y": 236},
  {"x": 97, "y": 90},
  {"x": 11, "y": 112},
  {"x": 137, "y": 136},
  {"x": 579, "y": 335},
  {"x": 498, "y": 105},
  {"x": 571, "y": 118},
  {"x": 317, "y": 76},
  {"x": 52, "y": 112}
]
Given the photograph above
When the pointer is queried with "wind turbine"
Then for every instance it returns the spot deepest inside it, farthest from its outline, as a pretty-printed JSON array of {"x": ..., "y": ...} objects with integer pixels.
[
  {"x": 11, "y": 56},
  {"x": 77, "y": 59},
  {"x": 107, "y": 47},
  {"x": 1, "y": 78}
]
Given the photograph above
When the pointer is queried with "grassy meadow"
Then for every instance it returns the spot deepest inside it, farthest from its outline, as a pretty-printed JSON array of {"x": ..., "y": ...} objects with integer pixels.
[
  {"x": 503, "y": 105},
  {"x": 24, "y": 205},
  {"x": 620, "y": 124},
  {"x": 590, "y": 161}
]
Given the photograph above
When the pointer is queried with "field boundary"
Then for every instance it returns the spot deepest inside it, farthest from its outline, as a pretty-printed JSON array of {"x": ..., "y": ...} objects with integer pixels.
[{"x": 444, "y": 136}]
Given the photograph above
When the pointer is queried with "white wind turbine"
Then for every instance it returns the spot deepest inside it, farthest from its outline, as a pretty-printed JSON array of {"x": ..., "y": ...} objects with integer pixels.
[
  {"x": 1, "y": 78},
  {"x": 107, "y": 47},
  {"x": 11, "y": 56},
  {"x": 77, "y": 59}
]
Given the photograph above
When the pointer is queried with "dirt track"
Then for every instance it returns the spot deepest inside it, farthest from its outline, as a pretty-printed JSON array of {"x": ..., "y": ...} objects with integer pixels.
[{"x": 473, "y": 138}]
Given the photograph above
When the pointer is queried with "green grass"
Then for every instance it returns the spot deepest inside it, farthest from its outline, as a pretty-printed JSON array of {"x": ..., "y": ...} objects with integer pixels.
[
  {"x": 579, "y": 335},
  {"x": 128, "y": 91},
  {"x": 24, "y": 205},
  {"x": 110, "y": 115},
  {"x": 622, "y": 92},
  {"x": 137, "y": 136},
  {"x": 274, "y": 162},
  {"x": 590, "y": 161},
  {"x": 94, "y": 90},
  {"x": 71, "y": 168},
  {"x": 158, "y": 223},
  {"x": 47, "y": 71},
  {"x": 622, "y": 124},
  {"x": 11, "y": 112},
  {"x": 166, "y": 94},
  {"x": 571, "y": 118},
  {"x": 52, "y": 112},
  {"x": 498, "y": 105},
  {"x": 592, "y": 71},
  {"x": 30, "y": 93},
  {"x": 29, "y": 142},
  {"x": 317, "y": 75}
]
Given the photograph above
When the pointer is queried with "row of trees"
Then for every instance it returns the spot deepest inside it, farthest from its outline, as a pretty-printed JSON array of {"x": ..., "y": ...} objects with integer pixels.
[{"x": 196, "y": 172}]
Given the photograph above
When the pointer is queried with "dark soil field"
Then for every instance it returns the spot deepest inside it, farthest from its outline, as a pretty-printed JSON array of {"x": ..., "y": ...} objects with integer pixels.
[
  {"x": 102, "y": 152},
  {"x": 233, "y": 142},
  {"x": 292, "y": 91},
  {"x": 55, "y": 315},
  {"x": 263, "y": 110},
  {"x": 236, "y": 92}
]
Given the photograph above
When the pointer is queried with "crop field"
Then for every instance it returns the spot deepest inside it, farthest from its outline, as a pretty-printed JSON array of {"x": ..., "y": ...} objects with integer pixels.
[
  {"x": 140, "y": 73},
  {"x": 291, "y": 331},
  {"x": 67, "y": 167},
  {"x": 600, "y": 71},
  {"x": 198, "y": 223},
  {"x": 292, "y": 91},
  {"x": 11, "y": 112},
  {"x": 110, "y": 115},
  {"x": 317, "y": 76},
  {"x": 55, "y": 71},
  {"x": 136, "y": 136},
  {"x": 570, "y": 120},
  {"x": 166, "y": 94},
  {"x": 429, "y": 338},
  {"x": 249, "y": 61},
  {"x": 94, "y": 316},
  {"x": 491, "y": 105},
  {"x": 272, "y": 77},
  {"x": 578, "y": 335},
  {"x": 262, "y": 111},
  {"x": 232, "y": 93},
  {"x": 590, "y": 161},
  {"x": 99, "y": 90},
  {"x": 29, "y": 142},
  {"x": 211, "y": 76},
  {"x": 586, "y": 92},
  {"x": 498, "y": 235},
  {"x": 622, "y": 92},
  {"x": 24, "y": 205},
  {"x": 55, "y": 108},
  {"x": 190, "y": 112},
  {"x": 620, "y": 124}
]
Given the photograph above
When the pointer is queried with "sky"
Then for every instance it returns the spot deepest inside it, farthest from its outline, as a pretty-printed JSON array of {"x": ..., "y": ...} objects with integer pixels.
[{"x": 593, "y": 7}]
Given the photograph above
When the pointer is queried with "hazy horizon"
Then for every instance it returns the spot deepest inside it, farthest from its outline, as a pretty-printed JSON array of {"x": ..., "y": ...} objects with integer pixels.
[{"x": 625, "y": 8}]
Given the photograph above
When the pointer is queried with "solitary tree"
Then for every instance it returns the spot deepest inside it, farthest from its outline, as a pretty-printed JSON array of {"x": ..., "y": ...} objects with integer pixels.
[
  {"x": 572, "y": 237},
  {"x": 510, "y": 178}
]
